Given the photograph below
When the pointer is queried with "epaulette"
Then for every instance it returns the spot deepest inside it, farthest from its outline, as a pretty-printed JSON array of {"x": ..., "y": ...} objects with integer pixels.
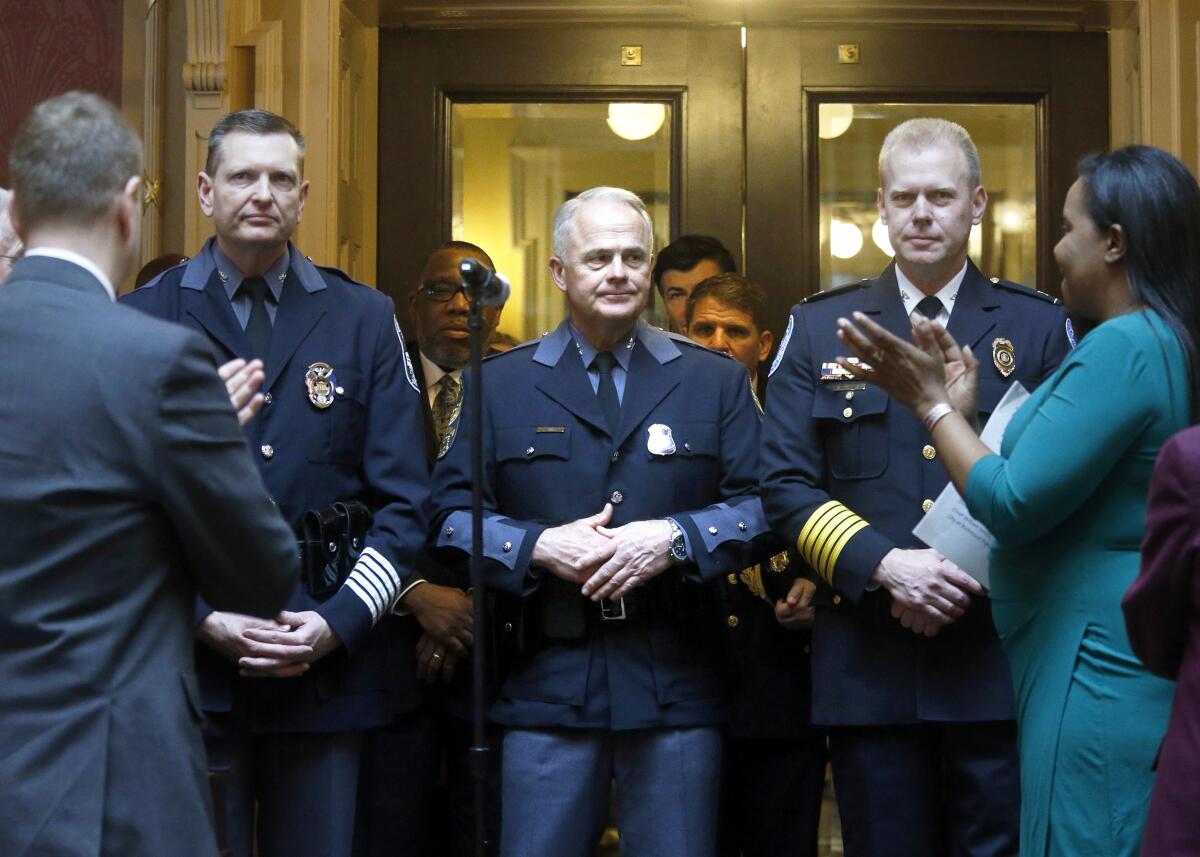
[
  {"x": 1017, "y": 288},
  {"x": 158, "y": 277},
  {"x": 518, "y": 347},
  {"x": 337, "y": 272},
  {"x": 836, "y": 290},
  {"x": 683, "y": 340}
]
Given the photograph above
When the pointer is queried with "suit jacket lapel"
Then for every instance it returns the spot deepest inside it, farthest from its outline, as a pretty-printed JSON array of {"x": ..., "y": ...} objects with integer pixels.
[
  {"x": 211, "y": 309},
  {"x": 298, "y": 313},
  {"x": 647, "y": 384},
  {"x": 972, "y": 317},
  {"x": 567, "y": 383}
]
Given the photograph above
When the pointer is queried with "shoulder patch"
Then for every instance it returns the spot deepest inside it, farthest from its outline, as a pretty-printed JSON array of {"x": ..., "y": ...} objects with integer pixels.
[
  {"x": 1017, "y": 288},
  {"x": 783, "y": 344},
  {"x": 836, "y": 290},
  {"x": 409, "y": 372}
]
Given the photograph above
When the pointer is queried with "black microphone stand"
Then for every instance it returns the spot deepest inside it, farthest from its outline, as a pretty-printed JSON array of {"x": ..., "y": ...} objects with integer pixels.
[{"x": 478, "y": 752}]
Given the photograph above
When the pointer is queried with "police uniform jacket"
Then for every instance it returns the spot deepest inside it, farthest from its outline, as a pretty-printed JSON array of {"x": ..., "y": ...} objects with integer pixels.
[
  {"x": 847, "y": 475},
  {"x": 365, "y": 446},
  {"x": 549, "y": 458}
]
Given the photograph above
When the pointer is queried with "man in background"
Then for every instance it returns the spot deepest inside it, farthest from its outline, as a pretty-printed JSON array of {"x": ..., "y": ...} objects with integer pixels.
[
  {"x": 402, "y": 761},
  {"x": 774, "y": 771},
  {"x": 681, "y": 266},
  {"x": 126, "y": 488}
]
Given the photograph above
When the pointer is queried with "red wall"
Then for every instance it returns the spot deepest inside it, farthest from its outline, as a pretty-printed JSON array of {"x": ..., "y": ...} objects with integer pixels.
[{"x": 48, "y": 47}]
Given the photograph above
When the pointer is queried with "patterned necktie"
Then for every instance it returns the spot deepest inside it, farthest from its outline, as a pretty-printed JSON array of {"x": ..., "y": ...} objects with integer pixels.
[
  {"x": 929, "y": 307},
  {"x": 258, "y": 327},
  {"x": 606, "y": 391},
  {"x": 447, "y": 405}
]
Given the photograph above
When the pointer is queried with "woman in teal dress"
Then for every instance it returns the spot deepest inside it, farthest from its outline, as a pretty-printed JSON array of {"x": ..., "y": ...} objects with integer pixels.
[{"x": 1065, "y": 499}]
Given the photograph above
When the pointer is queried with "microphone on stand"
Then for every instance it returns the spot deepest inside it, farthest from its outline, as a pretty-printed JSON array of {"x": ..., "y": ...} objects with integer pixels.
[{"x": 492, "y": 287}]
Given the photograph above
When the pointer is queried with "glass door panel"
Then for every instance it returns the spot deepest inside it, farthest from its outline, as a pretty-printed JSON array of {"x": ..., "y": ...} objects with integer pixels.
[{"x": 513, "y": 163}]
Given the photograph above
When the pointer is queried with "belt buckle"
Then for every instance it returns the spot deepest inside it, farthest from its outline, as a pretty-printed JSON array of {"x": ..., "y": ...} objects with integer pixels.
[{"x": 612, "y": 611}]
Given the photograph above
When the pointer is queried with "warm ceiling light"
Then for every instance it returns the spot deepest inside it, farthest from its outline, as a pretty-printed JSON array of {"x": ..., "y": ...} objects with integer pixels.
[
  {"x": 833, "y": 120},
  {"x": 845, "y": 239},
  {"x": 879, "y": 234},
  {"x": 635, "y": 121}
]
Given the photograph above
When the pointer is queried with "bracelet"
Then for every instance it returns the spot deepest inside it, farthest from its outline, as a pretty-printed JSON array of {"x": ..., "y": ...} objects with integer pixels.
[{"x": 936, "y": 413}]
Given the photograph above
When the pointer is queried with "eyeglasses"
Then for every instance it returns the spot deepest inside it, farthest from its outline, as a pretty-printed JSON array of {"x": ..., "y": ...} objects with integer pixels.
[{"x": 441, "y": 291}]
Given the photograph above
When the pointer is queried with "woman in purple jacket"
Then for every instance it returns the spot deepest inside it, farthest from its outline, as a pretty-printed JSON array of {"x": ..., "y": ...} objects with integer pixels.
[{"x": 1162, "y": 615}]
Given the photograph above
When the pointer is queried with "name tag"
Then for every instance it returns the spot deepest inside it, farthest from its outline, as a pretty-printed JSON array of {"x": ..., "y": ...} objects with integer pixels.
[{"x": 551, "y": 429}]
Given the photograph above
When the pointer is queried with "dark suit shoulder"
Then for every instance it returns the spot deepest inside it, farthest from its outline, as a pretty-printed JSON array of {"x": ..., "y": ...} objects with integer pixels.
[
  {"x": 524, "y": 346},
  {"x": 1026, "y": 291},
  {"x": 837, "y": 292}
]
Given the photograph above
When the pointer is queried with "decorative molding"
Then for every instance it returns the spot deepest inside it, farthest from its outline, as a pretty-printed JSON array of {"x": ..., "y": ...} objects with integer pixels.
[
  {"x": 207, "y": 101},
  {"x": 205, "y": 67},
  {"x": 1170, "y": 79},
  {"x": 153, "y": 109}
]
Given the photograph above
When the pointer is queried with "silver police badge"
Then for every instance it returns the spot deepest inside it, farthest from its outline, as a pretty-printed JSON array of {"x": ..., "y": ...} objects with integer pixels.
[
  {"x": 659, "y": 440},
  {"x": 319, "y": 381}
]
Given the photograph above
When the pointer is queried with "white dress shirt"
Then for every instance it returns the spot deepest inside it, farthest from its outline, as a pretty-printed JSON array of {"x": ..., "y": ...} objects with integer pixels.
[{"x": 947, "y": 294}]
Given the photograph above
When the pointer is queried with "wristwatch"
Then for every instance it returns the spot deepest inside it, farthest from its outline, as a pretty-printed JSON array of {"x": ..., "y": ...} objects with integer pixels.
[{"x": 678, "y": 545}]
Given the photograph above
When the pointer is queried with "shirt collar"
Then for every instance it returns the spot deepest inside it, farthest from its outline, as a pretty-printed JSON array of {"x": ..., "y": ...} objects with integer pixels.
[
  {"x": 76, "y": 259},
  {"x": 588, "y": 352},
  {"x": 231, "y": 277},
  {"x": 435, "y": 373},
  {"x": 200, "y": 267},
  {"x": 912, "y": 296}
]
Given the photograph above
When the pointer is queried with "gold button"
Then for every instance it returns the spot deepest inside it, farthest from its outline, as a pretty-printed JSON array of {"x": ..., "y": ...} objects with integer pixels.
[
  {"x": 837, "y": 599},
  {"x": 926, "y": 505},
  {"x": 732, "y": 579},
  {"x": 732, "y": 621},
  {"x": 929, "y": 452},
  {"x": 848, "y": 412},
  {"x": 849, "y": 395}
]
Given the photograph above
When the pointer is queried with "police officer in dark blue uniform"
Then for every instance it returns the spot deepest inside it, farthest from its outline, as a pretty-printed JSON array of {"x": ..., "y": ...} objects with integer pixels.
[
  {"x": 907, "y": 668},
  {"x": 620, "y": 474},
  {"x": 287, "y": 700},
  {"x": 774, "y": 771}
]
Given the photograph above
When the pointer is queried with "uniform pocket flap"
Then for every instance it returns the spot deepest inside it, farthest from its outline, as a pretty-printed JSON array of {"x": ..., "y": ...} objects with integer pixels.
[{"x": 519, "y": 442}]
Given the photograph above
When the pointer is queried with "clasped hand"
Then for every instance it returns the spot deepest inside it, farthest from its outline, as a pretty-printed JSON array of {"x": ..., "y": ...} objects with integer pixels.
[
  {"x": 928, "y": 591},
  {"x": 282, "y": 647},
  {"x": 606, "y": 562}
]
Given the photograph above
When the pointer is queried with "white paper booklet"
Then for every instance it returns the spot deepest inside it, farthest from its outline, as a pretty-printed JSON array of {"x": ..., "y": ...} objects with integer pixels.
[{"x": 948, "y": 527}]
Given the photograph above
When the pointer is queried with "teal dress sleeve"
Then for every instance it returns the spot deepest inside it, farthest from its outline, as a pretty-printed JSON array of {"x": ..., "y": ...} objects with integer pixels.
[{"x": 1095, "y": 407}]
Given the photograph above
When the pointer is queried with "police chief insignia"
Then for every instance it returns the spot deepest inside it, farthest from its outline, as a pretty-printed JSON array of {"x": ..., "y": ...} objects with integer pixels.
[
  {"x": 319, "y": 381},
  {"x": 659, "y": 440},
  {"x": 1004, "y": 356}
]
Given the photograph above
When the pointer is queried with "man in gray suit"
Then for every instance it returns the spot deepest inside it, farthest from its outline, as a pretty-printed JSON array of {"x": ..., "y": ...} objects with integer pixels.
[{"x": 126, "y": 487}]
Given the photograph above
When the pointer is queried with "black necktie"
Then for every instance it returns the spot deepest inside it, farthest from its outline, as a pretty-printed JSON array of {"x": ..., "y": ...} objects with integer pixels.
[
  {"x": 258, "y": 327},
  {"x": 606, "y": 392},
  {"x": 929, "y": 307}
]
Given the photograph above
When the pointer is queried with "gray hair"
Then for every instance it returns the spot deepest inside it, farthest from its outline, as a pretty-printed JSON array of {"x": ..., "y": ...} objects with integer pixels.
[
  {"x": 71, "y": 159},
  {"x": 565, "y": 216},
  {"x": 919, "y": 133},
  {"x": 260, "y": 122}
]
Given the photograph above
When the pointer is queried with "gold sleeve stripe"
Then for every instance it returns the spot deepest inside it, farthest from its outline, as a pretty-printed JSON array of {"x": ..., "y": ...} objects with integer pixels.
[{"x": 824, "y": 536}]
